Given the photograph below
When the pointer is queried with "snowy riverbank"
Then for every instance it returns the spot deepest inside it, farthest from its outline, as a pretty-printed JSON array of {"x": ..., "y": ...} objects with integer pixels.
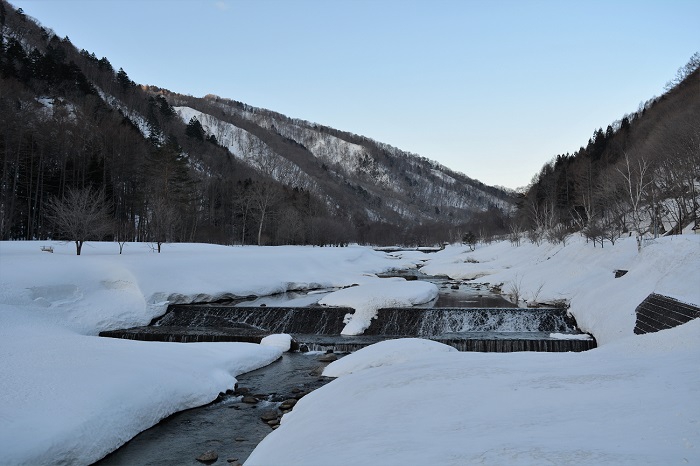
[
  {"x": 69, "y": 396},
  {"x": 632, "y": 401}
]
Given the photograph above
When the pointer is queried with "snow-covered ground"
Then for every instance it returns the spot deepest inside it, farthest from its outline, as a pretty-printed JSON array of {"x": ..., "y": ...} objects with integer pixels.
[
  {"x": 67, "y": 396},
  {"x": 634, "y": 400},
  {"x": 70, "y": 397}
]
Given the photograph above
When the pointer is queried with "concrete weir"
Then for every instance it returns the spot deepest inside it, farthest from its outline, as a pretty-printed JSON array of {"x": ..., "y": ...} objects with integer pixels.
[
  {"x": 318, "y": 328},
  {"x": 658, "y": 312}
]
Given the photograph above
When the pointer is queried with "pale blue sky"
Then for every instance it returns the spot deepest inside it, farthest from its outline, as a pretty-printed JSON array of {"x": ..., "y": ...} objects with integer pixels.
[{"x": 493, "y": 89}]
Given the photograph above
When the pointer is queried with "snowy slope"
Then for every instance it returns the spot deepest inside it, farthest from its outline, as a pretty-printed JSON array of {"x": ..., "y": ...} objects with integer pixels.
[
  {"x": 390, "y": 183},
  {"x": 249, "y": 149}
]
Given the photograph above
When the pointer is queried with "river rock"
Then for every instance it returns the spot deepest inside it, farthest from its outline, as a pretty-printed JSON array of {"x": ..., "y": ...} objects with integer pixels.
[
  {"x": 208, "y": 457},
  {"x": 288, "y": 404},
  {"x": 242, "y": 391},
  {"x": 269, "y": 415},
  {"x": 328, "y": 357},
  {"x": 249, "y": 399}
]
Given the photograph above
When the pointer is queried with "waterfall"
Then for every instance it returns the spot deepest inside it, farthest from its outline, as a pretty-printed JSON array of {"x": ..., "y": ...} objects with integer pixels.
[
  {"x": 318, "y": 328},
  {"x": 430, "y": 322},
  {"x": 314, "y": 320}
]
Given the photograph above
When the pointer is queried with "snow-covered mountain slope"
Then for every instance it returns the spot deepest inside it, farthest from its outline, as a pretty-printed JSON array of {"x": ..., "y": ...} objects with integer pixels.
[{"x": 347, "y": 170}]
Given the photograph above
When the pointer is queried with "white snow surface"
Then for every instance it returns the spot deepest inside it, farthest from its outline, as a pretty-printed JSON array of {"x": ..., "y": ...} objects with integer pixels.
[
  {"x": 69, "y": 397},
  {"x": 633, "y": 400},
  {"x": 376, "y": 293},
  {"x": 384, "y": 353},
  {"x": 283, "y": 341}
]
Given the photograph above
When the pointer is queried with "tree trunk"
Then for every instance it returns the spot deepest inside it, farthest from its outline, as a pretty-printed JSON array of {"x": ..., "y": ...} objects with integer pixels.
[
  {"x": 78, "y": 246},
  {"x": 262, "y": 219}
]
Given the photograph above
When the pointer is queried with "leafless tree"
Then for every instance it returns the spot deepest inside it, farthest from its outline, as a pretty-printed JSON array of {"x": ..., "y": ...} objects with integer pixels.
[
  {"x": 81, "y": 215},
  {"x": 161, "y": 220},
  {"x": 264, "y": 198},
  {"x": 637, "y": 179}
]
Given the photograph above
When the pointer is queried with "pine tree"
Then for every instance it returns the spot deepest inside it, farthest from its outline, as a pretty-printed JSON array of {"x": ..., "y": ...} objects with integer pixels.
[{"x": 195, "y": 129}]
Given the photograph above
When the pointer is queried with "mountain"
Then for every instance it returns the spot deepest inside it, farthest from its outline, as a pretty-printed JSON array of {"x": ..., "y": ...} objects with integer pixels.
[
  {"x": 345, "y": 169},
  {"x": 179, "y": 168}
]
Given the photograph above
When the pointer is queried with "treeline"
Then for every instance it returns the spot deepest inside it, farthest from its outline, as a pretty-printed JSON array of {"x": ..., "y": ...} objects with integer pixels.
[
  {"x": 639, "y": 176},
  {"x": 70, "y": 122}
]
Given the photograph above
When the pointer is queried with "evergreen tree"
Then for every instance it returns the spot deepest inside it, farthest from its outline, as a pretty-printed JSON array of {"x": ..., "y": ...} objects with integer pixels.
[
  {"x": 123, "y": 80},
  {"x": 195, "y": 129}
]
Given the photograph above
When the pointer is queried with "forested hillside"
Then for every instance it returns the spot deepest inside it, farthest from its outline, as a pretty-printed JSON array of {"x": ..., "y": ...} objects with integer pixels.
[
  {"x": 640, "y": 176},
  {"x": 167, "y": 167}
]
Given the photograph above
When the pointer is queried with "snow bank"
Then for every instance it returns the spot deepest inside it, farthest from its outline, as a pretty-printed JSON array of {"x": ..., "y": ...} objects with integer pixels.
[
  {"x": 67, "y": 396},
  {"x": 71, "y": 399},
  {"x": 631, "y": 402},
  {"x": 384, "y": 353},
  {"x": 375, "y": 294},
  {"x": 102, "y": 290},
  {"x": 282, "y": 341},
  {"x": 583, "y": 276}
]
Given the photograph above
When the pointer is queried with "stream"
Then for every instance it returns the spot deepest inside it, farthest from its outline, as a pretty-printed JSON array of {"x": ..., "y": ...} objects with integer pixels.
[
  {"x": 232, "y": 427},
  {"x": 229, "y": 426}
]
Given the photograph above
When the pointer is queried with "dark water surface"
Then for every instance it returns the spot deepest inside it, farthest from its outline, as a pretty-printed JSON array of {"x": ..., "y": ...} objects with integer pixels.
[{"x": 229, "y": 427}]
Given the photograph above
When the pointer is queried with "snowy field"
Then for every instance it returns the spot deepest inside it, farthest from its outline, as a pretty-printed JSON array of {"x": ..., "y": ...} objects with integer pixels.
[{"x": 67, "y": 396}]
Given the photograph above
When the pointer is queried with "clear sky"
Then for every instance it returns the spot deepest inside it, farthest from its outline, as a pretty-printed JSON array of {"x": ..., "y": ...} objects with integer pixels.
[{"x": 493, "y": 89}]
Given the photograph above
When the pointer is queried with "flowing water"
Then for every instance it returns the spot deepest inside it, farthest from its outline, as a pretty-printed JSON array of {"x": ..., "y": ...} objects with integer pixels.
[
  {"x": 466, "y": 316},
  {"x": 228, "y": 426}
]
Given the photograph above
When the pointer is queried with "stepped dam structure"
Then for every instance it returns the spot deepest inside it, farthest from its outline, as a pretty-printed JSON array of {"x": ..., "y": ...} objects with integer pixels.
[{"x": 319, "y": 328}]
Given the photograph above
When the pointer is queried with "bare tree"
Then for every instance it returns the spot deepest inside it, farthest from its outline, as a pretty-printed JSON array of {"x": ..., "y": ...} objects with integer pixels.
[
  {"x": 636, "y": 176},
  {"x": 161, "y": 221},
  {"x": 81, "y": 215},
  {"x": 264, "y": 198}
]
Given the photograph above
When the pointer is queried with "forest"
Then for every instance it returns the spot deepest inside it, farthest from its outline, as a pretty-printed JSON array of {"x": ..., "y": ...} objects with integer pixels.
[
  {"x": 638, "y": 177},
  {"x": 87, "y": 153}
]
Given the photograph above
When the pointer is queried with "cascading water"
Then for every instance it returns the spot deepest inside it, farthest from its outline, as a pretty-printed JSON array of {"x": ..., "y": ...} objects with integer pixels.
[
  {"x": 319, "y": 320},
  {"x": 318, "y": 328},
  {"x": 433, "y": 322}
]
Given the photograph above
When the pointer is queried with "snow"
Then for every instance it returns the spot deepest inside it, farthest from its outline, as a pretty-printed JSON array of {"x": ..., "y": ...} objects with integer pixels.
[
  {"x": 633, "y": 400},
  {"x": 68, "y": 396},
  {"x": 384, "y": 353},
  {"x": 375, "y": 294},
  {"x": 582, "y": 275},
  {"x": 570, "y": 336},
  {"x": 282, "y": 341}
]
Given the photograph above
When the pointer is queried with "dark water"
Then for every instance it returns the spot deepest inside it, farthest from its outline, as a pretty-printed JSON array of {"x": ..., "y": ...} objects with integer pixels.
[{"x": 229, "y": 427}]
